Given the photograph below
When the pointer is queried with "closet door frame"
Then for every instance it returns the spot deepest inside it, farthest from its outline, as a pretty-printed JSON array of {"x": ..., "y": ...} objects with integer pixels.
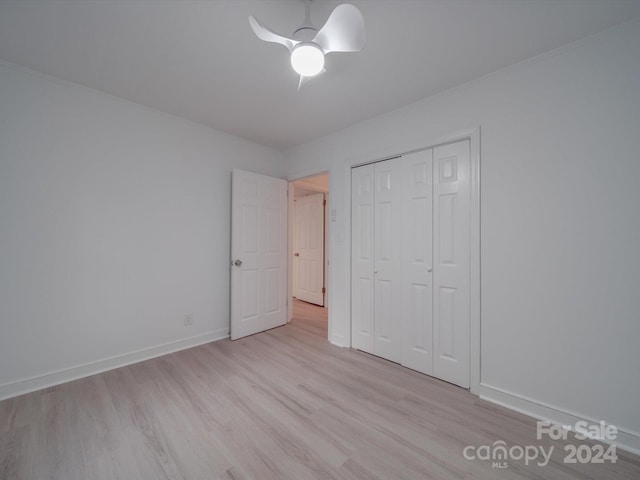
[{"x": 473, "y": 135}]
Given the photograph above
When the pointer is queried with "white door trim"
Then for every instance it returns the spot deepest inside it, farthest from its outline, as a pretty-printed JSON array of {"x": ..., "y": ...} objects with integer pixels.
[{"x": 473, "y": 135}]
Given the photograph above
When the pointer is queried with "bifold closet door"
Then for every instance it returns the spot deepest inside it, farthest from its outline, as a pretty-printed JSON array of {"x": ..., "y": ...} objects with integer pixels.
[
  {"x": 375, "y": 259},
  {"x": 451, "y": 197},
  {"x": 410, "y": 260},
  {"x": 417, "y": 261},
  {"x": 387, "y": 239},
  {"x": 362, "y": 219}
]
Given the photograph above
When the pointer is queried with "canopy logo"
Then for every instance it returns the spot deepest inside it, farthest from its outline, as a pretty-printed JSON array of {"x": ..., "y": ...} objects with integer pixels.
[{"x": 499, "y": 453}]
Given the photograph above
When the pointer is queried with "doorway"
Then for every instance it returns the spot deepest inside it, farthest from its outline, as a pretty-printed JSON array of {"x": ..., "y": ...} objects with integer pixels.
[
  {"x": 309, "y": 235},
  {"x": 262, "y": 227}
]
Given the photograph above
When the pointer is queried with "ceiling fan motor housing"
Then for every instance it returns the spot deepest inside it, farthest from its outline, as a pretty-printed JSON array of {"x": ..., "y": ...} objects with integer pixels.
[{"x": 305, "y": 33}]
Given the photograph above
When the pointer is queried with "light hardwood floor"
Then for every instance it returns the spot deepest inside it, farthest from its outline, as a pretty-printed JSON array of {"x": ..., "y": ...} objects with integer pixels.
[{"x": 283, "y": 404}]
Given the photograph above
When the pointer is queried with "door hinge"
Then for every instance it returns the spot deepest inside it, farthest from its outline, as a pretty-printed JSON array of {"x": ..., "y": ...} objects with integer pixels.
[
  {"x": 324, "y": 202},
  {"x": 324, "y": 290}
]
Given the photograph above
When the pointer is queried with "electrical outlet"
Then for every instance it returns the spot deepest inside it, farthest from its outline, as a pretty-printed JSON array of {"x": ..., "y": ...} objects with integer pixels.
[{"x": 188, "y": 319}]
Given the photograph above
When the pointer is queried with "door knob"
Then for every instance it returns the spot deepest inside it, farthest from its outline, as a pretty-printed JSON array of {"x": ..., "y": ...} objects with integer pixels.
[
  {"x": 429, "y": 269},
  {"x": 237, "y": 263}
]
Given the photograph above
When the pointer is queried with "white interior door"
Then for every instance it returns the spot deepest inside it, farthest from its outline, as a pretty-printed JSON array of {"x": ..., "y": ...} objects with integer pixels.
[
  {"x": 258, "y": 253},
  {"x": 417, "y": 261},
  {"x": 451, "y": 165},
  {"x": 410, "y": 260},
  {"x": 308, "y": 261},
  {"x": 362, "y": 215},
  {"x": 387, "y": 265},
  {"x": 375, "y": 259}
]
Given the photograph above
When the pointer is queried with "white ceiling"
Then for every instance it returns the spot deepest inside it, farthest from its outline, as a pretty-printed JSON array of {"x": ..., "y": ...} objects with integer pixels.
[{"x": 201, "y": 61}]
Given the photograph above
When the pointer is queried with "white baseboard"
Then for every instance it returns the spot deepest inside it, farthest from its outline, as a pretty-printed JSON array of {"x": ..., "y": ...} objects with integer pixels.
[
  {"x": 337, "y": 340},
  {"x": 38, "y": 382},
  {"x": 626, "y": 440}
]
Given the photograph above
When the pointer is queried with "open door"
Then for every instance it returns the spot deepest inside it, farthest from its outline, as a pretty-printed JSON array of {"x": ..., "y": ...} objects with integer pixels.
[
  {"x": 258, "y": 253},
  {"x": 308, "y": 261}
]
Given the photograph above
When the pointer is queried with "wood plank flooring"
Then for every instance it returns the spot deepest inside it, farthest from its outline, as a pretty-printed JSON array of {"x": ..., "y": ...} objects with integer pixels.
[{"x": 283, "y": 404}]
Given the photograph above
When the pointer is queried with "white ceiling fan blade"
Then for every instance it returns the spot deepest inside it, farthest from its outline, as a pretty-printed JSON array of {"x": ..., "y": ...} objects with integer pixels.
[
  {"x": 264, "y": 33},
  {"x": 304, "y": 79},
  {"x": 344, "y": 30}
]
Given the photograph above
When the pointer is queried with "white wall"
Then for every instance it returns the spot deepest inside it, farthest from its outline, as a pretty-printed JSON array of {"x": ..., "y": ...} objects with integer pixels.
[
  {"x": 560, "y": 223},
  {"x": 114, "y": 223}
]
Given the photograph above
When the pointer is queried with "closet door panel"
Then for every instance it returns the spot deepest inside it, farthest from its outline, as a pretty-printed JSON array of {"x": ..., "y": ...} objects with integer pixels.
[
  {"x": 417, "y": 261},
  {"x": 451, "y": 164},
  {"x": 387, "y": 269},
  {"x": 362, "y": 258}
]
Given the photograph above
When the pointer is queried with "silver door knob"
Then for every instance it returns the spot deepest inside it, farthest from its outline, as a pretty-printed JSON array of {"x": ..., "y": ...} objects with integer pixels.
[
  {"x": 237, "y": 263},
  {"x": 429, "y": 269}
]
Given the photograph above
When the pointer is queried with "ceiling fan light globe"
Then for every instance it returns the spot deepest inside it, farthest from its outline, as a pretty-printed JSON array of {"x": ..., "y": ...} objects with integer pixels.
[{"x": 307, "y": 59}]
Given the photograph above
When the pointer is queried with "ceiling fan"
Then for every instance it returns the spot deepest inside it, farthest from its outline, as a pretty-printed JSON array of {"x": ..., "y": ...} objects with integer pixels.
[{"x": 342, "y": 32}]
